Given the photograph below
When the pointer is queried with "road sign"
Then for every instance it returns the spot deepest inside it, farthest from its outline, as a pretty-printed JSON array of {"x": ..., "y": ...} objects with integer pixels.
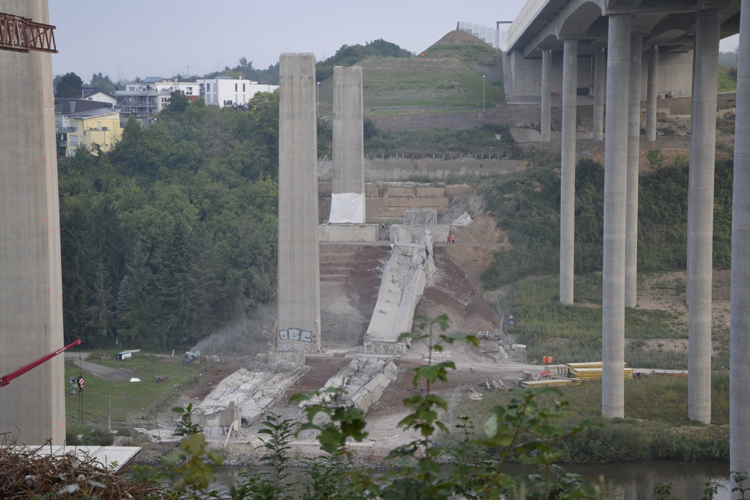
[{"x": 80, "y": 382}]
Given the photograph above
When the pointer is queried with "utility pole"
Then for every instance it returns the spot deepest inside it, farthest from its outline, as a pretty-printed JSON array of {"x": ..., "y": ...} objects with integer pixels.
[{"x": 483, "y": 93}]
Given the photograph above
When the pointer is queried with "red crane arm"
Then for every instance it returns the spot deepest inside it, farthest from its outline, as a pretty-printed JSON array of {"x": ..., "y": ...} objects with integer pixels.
[
  {"x": 22, "y": 34},
  {"x": 6, "y": 379}
]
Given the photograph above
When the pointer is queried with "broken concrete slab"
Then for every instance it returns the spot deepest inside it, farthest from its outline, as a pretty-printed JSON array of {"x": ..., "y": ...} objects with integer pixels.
[
  {"x": 404, "y": 278},
  {"x": 253, "y": 391},
  {"x": 364, "y": 380}
]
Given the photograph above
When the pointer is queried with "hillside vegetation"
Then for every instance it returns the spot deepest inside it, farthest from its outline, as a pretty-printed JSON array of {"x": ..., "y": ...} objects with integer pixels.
[
  {"x": 445, "y": 77},
  {"x": 173, "y": 234},
  {"x": 471, "y": 51}
]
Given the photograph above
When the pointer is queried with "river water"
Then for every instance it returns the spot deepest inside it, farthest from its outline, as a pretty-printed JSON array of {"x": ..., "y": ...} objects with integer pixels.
[{"x": 635, "y": 479}]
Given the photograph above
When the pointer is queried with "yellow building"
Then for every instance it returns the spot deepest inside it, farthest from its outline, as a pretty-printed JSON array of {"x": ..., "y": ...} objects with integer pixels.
[{"x": 96, "y": 126}]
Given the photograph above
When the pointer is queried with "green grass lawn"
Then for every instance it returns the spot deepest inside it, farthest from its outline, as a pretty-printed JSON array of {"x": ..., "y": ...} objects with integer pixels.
[
  {"x": 137, "y": 399},
  {"x": 574, "y": 333},
  {"x": 417, "y": 83},
  {"x": 655, "y": 423}
]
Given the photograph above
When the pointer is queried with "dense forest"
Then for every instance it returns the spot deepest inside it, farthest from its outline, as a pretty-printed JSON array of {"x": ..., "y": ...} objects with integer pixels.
[
  {"x": 172, "y": 234},
  {"x": 527, "y": 204}
]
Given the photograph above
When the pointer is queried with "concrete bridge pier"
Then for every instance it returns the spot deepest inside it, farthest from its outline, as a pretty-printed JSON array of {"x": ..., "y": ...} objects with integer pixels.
[
  {"x": 546, "y": 95},
  {"x": 615, "y": 177},
  {"x": 739, "y": 342},
  {"x": 298, "y": 324},
  {"x": 701, "y": 211},
  {"x": 634, "y": 137},
  {"x": 653, "y": 81},
  {"x": 31, "y": 323},
  {"x": 600, "y": 84},
  {"x": 568, "y": 172},
  {"x": 348, "y": 140}
]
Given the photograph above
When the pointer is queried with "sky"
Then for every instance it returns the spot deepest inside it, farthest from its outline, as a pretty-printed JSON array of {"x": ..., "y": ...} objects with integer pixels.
[
  {"x": 161, "y": 37},
  {"x": 164, "y": 37}
]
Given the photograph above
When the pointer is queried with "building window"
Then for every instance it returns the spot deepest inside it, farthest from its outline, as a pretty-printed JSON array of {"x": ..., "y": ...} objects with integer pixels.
[
  {"x": 243, "y": 87},
  {"x": 72, "y": 141},
  {"x": 235, "y": 87},
  {"x": 98, "y": 125},
  {"x": 208, "y": 87}
]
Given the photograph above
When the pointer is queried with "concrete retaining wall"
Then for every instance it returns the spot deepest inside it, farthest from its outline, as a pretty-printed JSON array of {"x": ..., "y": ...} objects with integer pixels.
[
  {"x": 351, "y": 233},
  {"x": 383, "y": 170}
]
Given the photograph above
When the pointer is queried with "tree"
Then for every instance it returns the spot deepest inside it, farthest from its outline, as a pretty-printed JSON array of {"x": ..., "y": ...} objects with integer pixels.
[
  {"x": 178, "y": 102},
  {"x": 102, "y": 82},
  {"x": 70, "y": 86}
]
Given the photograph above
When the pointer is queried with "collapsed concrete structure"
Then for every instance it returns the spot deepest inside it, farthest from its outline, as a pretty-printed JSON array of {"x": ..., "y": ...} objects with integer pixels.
[
  {"x": 404, "y": 278},
  {"x": 364, "y": 380},
  {"x": 31, "y": 320},
  {"x": 298, "y": 326},
  {"x": 248, "y": 393}
]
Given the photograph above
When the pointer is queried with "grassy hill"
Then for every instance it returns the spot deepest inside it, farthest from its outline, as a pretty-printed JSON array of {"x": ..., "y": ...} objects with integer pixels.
[
  {"x": 445, "y": 77},
  {"x": 471, "y": 51}
]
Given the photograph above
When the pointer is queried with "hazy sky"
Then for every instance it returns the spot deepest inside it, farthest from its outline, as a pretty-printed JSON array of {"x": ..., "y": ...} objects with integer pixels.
[{"x": 162, "y": 37}]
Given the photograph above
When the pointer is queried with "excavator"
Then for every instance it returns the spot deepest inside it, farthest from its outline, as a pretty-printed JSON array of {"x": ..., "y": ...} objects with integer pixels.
[{"x": 6, "y": 379}]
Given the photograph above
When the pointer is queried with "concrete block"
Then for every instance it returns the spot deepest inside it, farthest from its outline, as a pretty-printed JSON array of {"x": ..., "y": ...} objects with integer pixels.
[
  {"x": 457, "y": 189},
  {"x": 372, "y": 192},
  {"x": 439, "y": 232},
  {"x": 420, "y": 217},
  {"x": 294, "y": 358},
  {"x": 351, "y": 233},
  {"x": 392, "y": 213},
  {"x": 408, "y": 202},
  {"x": 399, "y": 192},
  {"x": 430, "y": 192}
]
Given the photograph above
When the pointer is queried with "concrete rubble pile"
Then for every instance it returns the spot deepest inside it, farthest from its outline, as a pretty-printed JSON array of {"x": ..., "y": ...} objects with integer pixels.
[
  {"x": 364, "y": 380},
  {"x": 254, "y": 391},
  {"x": 409, "y": 269}
]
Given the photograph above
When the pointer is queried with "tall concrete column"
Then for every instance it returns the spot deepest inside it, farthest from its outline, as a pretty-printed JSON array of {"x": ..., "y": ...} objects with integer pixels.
[
  {"x": 653, "y": 81},
  {"x": 600, "y": 70},
  {"x": 298, "y": 322},
  {"x": 615, "y": 178},
  {"x": 348, "y": 139},
  {"x": 634, "y": 137},
  {"x": 568, "y": 172},
  {"x": 739, "y": 336},
  {"x": 30, "y": 277},
  {"x": 701, "y": 212},
  {"x": 546, "y": 95}
]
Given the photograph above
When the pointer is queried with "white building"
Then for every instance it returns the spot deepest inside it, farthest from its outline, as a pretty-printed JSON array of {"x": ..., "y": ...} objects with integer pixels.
[
  {"x": 225, "y": 91},
  {"x": 102, "y": 97},
  {"x": 151, "y": 95}
]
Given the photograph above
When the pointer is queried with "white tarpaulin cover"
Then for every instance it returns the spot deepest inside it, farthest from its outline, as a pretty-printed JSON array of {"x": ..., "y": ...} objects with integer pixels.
[{"x": 347, "y": 208}]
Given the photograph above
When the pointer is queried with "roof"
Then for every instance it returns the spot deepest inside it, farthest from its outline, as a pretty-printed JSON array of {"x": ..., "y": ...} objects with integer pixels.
[
  {"x": 151, "y": 79},
  {"x": 91, "y": 113},
  {"x": 63, "y": 105},
  {"x": 104, "y": 455}
]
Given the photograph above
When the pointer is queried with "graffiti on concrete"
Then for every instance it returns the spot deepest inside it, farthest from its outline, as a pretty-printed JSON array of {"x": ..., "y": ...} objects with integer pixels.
[
  {"x": 391, "y": 348},
  {"x": 296, "y": 334}
]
